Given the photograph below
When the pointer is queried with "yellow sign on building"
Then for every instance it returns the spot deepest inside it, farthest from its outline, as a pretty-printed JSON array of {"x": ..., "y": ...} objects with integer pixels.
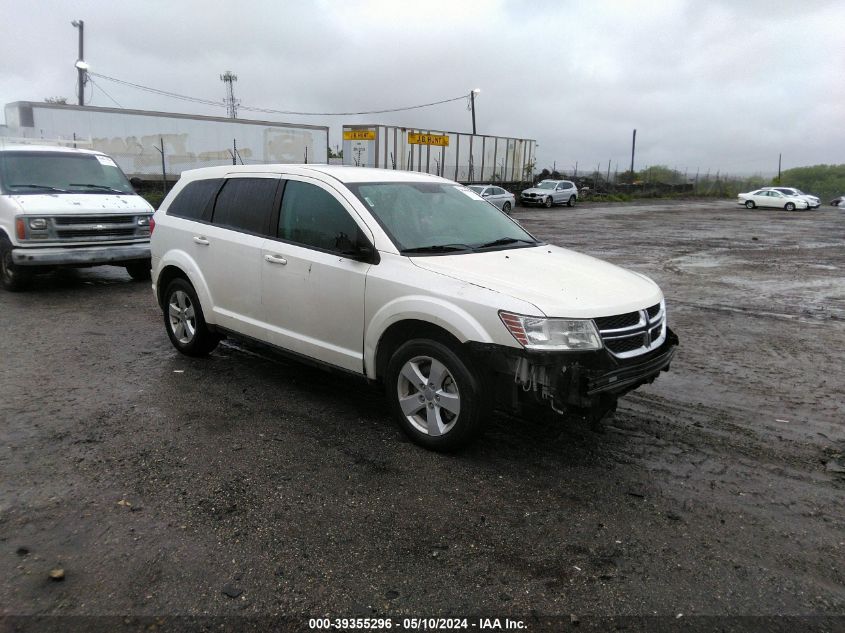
[
  {"x": 359, "y": 135},
  {"x": 441, "y": 140}
]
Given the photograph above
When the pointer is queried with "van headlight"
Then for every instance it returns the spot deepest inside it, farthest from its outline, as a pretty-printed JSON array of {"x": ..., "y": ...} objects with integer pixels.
[
  {"x": 39, "y": 224},
  {"x": 541, "y": 333}
]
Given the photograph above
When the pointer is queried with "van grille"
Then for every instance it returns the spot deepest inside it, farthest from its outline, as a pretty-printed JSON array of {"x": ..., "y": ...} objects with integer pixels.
[
  {"x": 91, "y": 228},
  {"x": 633, "y": 333}
]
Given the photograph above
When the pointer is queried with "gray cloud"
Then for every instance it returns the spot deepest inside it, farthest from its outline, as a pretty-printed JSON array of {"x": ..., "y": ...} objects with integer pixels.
[{"x": 717, "y": 85}]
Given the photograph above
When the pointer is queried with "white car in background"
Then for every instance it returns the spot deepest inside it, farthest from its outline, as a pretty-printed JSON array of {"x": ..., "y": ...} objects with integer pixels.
[
  {"x": 497, "y": 196},
  {"x": 771, "y": 198},
  {"x": 813, "y": 201},
  {"x": 551, "y": 192}
]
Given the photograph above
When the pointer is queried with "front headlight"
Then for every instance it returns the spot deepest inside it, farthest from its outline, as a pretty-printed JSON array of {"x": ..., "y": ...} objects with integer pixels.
[
  {"x": 38, "y": 223},
  {"x": 540, "y": 333}
]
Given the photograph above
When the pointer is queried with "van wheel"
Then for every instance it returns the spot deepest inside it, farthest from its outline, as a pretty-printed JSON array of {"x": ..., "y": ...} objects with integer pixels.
[
  {"x": 12, "y": 276},
  {"x": 139, "y": 271},
  {"x": 435, "y": 395},
  {"x": 184, "y": 320}
]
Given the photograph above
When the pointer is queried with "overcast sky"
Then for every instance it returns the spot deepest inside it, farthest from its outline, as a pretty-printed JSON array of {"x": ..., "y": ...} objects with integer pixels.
[{"x": 708, "y": 85}]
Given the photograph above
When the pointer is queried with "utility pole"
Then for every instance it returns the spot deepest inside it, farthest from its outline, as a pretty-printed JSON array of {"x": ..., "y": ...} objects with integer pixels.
[
  {"x": 81, "y": 66},
  {"x": 229, "y": 78},
  {"x": 779, "y": 157},
  {"x": 633, "y": 149},
  {"x": 472, "y": 94}
]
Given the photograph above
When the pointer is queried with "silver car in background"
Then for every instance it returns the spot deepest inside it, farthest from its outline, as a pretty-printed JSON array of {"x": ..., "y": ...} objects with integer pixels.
[
  {"x": 497, "y": 196},
  {"x": 550, "y": 192}
]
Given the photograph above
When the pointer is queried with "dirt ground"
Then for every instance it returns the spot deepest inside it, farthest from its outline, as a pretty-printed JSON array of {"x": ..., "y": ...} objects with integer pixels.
[{"x": 244, "y": 484}]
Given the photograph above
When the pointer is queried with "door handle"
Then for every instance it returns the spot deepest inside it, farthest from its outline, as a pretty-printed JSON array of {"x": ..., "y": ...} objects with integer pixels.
[
  {"x": 275, "y": 259},
  {"x": 199, "y": 239}
]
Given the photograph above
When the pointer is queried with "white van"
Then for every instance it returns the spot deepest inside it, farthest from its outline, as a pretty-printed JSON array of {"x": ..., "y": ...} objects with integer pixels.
[{"x": 61, "y": 206}]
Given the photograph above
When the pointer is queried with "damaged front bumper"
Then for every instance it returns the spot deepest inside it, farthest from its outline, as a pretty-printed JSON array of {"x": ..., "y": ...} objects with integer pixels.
[{"x": 569, "y": 381}]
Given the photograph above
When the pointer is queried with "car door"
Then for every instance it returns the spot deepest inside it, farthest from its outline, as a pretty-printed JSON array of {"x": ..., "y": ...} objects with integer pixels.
[
  {"x": 761, "y": 198},
  {"x": 313, "y": 294},
  {"x": 232, "y": 244},
  {"x": 501, "y": 196}
]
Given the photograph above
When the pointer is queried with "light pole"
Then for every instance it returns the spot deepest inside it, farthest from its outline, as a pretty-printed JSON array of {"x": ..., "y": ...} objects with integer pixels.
[
  {"x": 472, "y": 94},
  {"x": 81, "y": 66}
]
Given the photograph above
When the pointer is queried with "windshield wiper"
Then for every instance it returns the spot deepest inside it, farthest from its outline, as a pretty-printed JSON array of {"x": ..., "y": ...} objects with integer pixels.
[
  {"x": 103, "y": 187},
  {"x": 41, "y": 187},
  {"x": 437, "y": 248},
  {"x": 507, "y": 240}
]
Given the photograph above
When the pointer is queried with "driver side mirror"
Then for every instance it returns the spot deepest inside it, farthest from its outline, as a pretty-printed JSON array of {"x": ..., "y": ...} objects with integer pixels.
[{"x": 360, "y": 250}]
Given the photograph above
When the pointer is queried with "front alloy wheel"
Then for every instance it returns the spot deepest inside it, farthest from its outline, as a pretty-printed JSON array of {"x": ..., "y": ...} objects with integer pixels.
[
  {"x": 790, "y": 206},
  {"x": 435, "y": 394},
  {"x": 428, "y": 396},
  {"x": 749, "y": 204},
  {"x": 548, "y": 202}
]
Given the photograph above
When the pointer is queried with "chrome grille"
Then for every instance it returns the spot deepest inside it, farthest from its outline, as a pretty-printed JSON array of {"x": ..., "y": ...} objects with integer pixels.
[
  {"x": 91, "y": 228},
  {"x": 633, "y": 333}
]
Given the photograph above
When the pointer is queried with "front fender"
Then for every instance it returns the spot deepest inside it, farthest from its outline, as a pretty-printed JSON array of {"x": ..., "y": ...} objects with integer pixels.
[
  {"x": 187, "y": 264},
  {"x": 444, "y": 314}
]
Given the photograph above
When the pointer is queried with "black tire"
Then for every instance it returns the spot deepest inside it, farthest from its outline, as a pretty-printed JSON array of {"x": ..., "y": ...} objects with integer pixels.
[
  {"x": 548, "y": 202},
  {"x": 180, "y": 300},
  {"x": 13, "y": 278},
  {"x": 507, "y": 208},
  {"x": 139, "y": 271},
  {"x": 571, "y": 201},
  {"x": 749, "y": 204},
  {"x": 790, "y": 206},
  {"x": 461, "y": 381}
]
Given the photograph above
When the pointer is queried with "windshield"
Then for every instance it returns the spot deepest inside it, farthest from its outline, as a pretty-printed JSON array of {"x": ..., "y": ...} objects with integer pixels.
[
  {"x": 439, "y": 217},
  {"x": 40, "y": 172},
  {"x": 546, "y": 184}
]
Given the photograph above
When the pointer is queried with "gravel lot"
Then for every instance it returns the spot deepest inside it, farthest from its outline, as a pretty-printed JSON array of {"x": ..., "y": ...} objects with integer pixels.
[{"x": 246, "y": 484}]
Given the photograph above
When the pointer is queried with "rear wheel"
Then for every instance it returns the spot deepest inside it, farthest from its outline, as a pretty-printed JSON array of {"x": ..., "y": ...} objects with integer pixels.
[
  {"x": 790, "y": 206},
  {"x": 139, "y": 271},
  {"x": 12, "y": 276},
  {"x": 548, "y": 202},
  {"x": 749, "y": 204},
  {"x": 435, "y": 395},
  {"x": 184, "y": 321},
  {"x": 571, "y": 201},
  {"x": 507, "y": 208}
]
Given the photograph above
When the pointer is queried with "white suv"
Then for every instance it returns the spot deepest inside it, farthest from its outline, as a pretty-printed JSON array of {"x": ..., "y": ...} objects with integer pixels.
[
  {"x": 61, "y": 206},
  {"x": 407, "y": 279}
]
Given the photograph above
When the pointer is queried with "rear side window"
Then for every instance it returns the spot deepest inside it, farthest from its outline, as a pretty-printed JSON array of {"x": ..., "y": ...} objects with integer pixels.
[
  {"x": 311, "y": 216},
  {"x": 194, "y": 201},
  {"x": 245, "y": 204}
]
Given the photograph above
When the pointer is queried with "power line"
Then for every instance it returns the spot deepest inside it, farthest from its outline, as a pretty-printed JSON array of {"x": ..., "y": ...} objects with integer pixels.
[
  {"x": 218, "y": 104},
  {"x": 100, "y": 88}
]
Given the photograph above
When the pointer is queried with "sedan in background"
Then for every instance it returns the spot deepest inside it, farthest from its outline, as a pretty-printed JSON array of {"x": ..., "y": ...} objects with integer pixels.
[
  {"x": 771, "y": 198},
  {"x": 813, "y": 201},
  {"x": 497, "y": 196},
  {"x": 837, "y": 202}
]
